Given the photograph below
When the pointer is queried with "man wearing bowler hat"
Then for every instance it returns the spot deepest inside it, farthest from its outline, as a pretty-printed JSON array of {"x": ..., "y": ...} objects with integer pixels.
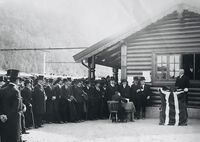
[
  {"x": 39, "y": 102},
  {"x": 144, "y": 95},
  {"x": 27, "y": 100},
  {"x": 11, "y": 108}
]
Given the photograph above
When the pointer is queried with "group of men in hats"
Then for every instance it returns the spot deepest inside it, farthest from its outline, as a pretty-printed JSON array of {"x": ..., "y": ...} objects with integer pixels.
[{"x": 29, "y": 102}]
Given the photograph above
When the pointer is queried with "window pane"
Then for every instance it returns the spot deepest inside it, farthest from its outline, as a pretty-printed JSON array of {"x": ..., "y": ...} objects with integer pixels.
[
  {"x": 177, "y": 67},
  {"x": 158, "y": 59},
  {"x": 164, "y": 67},
  {"x": 171, "y": 59},
  {"x": 177, "y": 58},
  {"x": 171, "y": 67},
  {"x": 161, "y": 67},
  {"x": 164, "y": 59}
]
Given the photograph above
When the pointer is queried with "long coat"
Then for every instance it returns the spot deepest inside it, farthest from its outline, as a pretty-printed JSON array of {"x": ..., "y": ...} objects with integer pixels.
[
  {"x": 125, "y": 92},
  {"x": 27, "y": 100},
  {"x": 39, "y": 99},
  {"x": 182, "y": 83},
  {"x": 11, "y": 106},
  {"x": 134, "y": 96},
  {"x": 111, "y": 91},
  {"x": 49, "y": 102}
]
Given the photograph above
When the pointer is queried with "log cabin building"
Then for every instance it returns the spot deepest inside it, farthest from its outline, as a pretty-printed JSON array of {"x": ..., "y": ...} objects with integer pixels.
[{"x": 161, "y": 48}]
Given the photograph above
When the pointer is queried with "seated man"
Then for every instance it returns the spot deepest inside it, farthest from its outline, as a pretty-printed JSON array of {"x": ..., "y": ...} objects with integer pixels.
[{"x": 120, "y": 99}]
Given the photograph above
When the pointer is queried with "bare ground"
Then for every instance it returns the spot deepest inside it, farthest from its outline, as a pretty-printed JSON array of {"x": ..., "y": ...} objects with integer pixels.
[{"x": 105, "y": 131}]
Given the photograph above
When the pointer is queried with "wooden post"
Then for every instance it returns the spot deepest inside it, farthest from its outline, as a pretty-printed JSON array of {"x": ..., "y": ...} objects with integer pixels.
[
  {"x": 123, "y": 61},
  {"x": 91, "y": 68},
  {"x": 115, "y": 74}
]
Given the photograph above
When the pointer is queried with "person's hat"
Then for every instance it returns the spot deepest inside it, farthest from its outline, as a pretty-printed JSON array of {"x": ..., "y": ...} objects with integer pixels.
[
  {"x": 67, "y": 79},
  {"x": 50, "y": 80},
  {"x": 142, "y": 78},
  {"x": 27, "y": 81},
  {"x": 112, "y": 79},
  {"x": 12, "y": 73},
  {"x": 40, "y": 77},
  {"x": 123, "y": 80},
  {"x": 135, "y": 78}
]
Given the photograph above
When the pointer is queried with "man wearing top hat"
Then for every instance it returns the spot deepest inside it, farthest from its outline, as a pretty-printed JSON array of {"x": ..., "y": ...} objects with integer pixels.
[
  {"x": 39, "y": 102},
  {"x": 11, "y": 108}
]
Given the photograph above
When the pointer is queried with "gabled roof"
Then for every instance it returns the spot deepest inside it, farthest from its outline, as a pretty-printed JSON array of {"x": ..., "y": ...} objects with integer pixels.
[{"x": 117, "y": 38}]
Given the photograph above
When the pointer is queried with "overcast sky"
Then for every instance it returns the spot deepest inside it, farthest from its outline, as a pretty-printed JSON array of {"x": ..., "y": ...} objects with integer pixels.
[{"x": 97, "y": 19}]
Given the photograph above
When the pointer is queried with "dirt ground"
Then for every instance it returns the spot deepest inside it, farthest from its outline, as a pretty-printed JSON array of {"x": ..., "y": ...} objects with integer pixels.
[{"x": 146, "y": 130}]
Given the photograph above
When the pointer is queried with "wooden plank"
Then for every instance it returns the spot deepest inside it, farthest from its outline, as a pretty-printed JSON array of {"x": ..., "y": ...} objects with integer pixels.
[
  {"x": 175, "y": 26},
  {"x": 167, "y": 38},
  {"x": 130, "y": 72},
  {"x": 150, "y": 48},
  {"x": 167, "y": 32},
  {"x": 139, "y": 68},
  {"x": 141, "y": 55},
  {"x": 163, "y": 34},
  {"x": 167, "y": 42},
  {"x": 139, "y": 60},
  {"x": 139, "y": 63}
]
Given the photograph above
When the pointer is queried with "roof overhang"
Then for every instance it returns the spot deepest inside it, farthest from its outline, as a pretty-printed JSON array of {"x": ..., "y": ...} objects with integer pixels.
[{"x": 107, "y": 52}]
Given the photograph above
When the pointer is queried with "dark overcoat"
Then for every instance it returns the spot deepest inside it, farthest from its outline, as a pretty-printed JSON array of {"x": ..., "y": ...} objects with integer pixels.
[
  {"x": 39, "y": 101},
  {"x": 11, "y": 106},
  {"x": 125, "y": 92}
]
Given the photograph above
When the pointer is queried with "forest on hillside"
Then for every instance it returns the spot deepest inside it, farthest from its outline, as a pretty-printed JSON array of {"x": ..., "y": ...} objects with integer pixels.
[{"x": 22, "y": 26}]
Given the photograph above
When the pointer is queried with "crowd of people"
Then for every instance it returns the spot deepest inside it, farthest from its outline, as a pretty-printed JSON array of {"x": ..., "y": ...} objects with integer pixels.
[
  {"x": 27, "y": 103},
  {"x": 30, "y": 102}
]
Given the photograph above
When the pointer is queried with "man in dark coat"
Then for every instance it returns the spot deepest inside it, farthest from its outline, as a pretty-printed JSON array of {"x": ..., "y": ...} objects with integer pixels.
[
  {"x": 144, "y": 95},
  {"x": 39, "y": 102},
  {"x": 49, "y": 102},
  {"x": 79, "y": 96},
  {"x": 67, "y": 92},
  {"x": 183, "y": 83},
  {"x": 27, "y": 100},
  {"x": 124, "y": 89},
  {"x": 57, "y": 101},
  {"x": 134, "y": 96},
  {"x": 11, "y": 108},
  {"x": 121, "y": 110},
  {"x": 111, "y": 89},
  {"x": 89, "y": 90},
  {"x": 97, "y": 100}
]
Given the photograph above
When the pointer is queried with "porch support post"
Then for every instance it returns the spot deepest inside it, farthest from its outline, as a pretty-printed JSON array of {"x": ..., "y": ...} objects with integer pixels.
[
  {"x": 115, "y": 74},
  {"x": 123, "y": 61},
  {"x": 91, "y": 68}
]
